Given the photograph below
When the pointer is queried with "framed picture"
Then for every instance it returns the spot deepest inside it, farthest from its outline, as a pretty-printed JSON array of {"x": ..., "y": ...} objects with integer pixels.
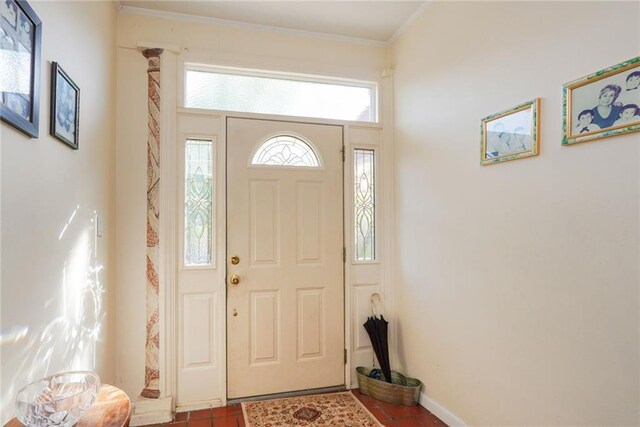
[
  {"x": 511, "y": 134},
  {"x": 20, "y": 34},
  {"x": 602, "y": 104},
  {"x": 65, "y": 107}
]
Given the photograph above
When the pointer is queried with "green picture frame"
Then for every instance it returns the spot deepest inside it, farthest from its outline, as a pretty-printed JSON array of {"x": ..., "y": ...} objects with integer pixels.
[
  {"x": 511, "y": 134},
  {"x": 602, "y": 104}
]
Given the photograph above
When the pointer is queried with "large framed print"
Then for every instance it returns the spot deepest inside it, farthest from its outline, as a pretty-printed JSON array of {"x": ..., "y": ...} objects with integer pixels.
[
  {"x": 605, "y": 103},
  {"x": 20, "y": 37},
  {"x": 65, "y": 107},
  {"x": 511, "y": 134}
]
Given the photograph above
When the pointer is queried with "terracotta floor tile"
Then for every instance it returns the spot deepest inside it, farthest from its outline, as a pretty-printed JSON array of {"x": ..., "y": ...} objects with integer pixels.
[
  {"x": 199, "y": 415},
  {"x": 430, "y": 420},
  {"x": 227, "y": 421},
  {"x": 181, "y": 416},
  {"x": 200, "y": 423},
  {"x": 226, "y": 411},
  {"x": 380, "y": 416},
  {"x": 407, "y": 422},
  {"x": 400, "y": 411}
]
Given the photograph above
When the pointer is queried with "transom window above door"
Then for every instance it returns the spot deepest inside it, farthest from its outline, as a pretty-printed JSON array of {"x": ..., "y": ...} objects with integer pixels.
[
  {"x": 286, "y": 150},
  {"x": 267, "y": 92}
]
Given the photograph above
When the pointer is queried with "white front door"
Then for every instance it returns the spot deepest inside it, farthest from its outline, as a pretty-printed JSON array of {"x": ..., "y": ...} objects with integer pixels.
[{"x": 285, "y": 315}]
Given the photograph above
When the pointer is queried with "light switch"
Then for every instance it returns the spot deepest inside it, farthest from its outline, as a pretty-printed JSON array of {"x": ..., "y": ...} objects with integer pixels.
[{"x": 99, "y": 225}]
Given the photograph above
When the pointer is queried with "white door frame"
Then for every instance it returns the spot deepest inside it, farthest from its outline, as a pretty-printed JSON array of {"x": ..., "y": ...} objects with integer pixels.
[{"x": 361, "y": 279}]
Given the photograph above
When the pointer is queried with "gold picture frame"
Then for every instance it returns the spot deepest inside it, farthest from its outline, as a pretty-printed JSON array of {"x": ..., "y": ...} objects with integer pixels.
[
  {"x": 603, "y": 104},
  {"x": 511, "y": 134}
]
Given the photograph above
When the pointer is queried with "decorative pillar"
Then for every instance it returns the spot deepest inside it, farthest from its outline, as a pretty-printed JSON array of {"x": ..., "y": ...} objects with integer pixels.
[{"x": 152, "y": 346}]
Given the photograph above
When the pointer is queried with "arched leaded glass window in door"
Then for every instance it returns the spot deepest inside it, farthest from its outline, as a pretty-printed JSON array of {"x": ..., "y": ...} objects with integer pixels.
[{"x": 286, "y": 150}]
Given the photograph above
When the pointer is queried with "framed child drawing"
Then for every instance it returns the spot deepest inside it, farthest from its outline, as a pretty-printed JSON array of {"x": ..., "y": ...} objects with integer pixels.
[
  {"x": 605, "y": 103},
  {"x": 510, "y": 134}
]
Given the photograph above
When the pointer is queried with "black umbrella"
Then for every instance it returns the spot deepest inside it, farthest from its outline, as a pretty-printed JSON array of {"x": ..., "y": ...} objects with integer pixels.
[{"x": 377, "y": 330}]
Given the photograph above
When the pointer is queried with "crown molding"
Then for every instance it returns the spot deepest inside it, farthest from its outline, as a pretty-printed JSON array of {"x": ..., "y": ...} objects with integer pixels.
[
  {"x": 237, "y": 24},
  {"x": 410, "y": 20},
  {"x": 118, "y": 5}
]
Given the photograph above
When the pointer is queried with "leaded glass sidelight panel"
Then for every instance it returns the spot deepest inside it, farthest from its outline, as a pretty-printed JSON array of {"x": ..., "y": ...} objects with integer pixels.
[
  {"x": 286, "y": 150},
  {"x": 364, "y": 205},
  {"x": 198, "y": 203}
]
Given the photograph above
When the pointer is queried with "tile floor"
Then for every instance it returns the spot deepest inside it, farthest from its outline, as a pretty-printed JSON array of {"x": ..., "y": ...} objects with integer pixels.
[{"x": 388, "y": 414}]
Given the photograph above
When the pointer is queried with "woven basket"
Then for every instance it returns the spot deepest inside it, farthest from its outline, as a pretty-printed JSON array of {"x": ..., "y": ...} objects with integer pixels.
[{"x": 401, "y": 390}]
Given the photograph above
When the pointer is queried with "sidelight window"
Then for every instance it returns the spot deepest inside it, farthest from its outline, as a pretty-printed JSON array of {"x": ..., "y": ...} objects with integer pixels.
[
  {"x": 198, "y": 203},
  {"x": 364, "y": 205}
]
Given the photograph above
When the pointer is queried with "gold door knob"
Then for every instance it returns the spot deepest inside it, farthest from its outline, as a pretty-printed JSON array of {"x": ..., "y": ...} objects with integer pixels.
[
  {"x": 235, "y": 312},
  {"x": 235, "y": 260},
  {"x": 234, "y": 279}
]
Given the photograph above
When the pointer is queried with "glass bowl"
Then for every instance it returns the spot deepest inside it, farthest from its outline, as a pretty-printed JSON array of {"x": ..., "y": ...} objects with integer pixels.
[{"x": 58, "y": 400}]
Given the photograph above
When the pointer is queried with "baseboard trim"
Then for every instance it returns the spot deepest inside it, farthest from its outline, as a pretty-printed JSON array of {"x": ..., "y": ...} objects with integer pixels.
[
  {"x": 152, "y": 411},
  {"x": 448, "y": 417}
]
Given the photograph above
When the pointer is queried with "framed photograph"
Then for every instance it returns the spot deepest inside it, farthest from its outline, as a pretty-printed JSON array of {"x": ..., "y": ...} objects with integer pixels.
[
  {"x": 20, "y": 34},
  {"x": 511, "y": 134},
  {"x": 602, "y": 104},
  {"x": 65, "y": 107}
]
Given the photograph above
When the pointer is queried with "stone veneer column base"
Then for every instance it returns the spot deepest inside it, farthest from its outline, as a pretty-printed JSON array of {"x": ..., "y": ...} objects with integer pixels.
[{"x": 152, "y": 411}]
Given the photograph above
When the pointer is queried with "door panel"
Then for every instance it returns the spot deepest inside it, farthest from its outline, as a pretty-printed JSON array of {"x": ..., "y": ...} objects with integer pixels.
[
  {"x": 311, "y": 333},
  {"x": 309, "y": 222},
  {"x": 199, "y": 325},
  {"x": 265, "y": 327},
  {"x": 285, "y": 317},
  {"x": 264, "y": 222}
]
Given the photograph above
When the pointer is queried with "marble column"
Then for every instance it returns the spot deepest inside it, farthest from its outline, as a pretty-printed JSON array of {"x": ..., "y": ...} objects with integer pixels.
[{"x": 152, "y": 346}]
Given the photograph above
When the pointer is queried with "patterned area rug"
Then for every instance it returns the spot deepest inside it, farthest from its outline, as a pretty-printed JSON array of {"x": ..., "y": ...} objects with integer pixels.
[{"x": 331, "y": 409}]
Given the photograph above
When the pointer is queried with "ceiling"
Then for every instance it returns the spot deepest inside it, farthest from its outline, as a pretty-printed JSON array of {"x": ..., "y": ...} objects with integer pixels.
[{"x": 374, "y": 21}]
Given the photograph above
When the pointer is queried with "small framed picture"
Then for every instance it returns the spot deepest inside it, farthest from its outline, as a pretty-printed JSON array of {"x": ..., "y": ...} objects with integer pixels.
[
  {"x": 511, "y": 134},
  {"x": 65, "y": 107},
  {"x": 20, "y": 39},
  {"x": 602, "y": 104}
]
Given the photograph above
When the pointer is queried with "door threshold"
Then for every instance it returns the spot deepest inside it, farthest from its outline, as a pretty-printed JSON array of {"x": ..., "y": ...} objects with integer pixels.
[{"x": 287, "y": 394}]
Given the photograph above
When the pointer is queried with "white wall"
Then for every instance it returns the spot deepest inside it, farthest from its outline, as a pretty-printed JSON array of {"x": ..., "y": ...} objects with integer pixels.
[
  {"x": 242, "y": 47},
  {"x": 199, "y": 42},
  {"x": 131, "y": 208},
  {"x": 518, "y": 282},
  {"x": 49, "y": 290}
]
